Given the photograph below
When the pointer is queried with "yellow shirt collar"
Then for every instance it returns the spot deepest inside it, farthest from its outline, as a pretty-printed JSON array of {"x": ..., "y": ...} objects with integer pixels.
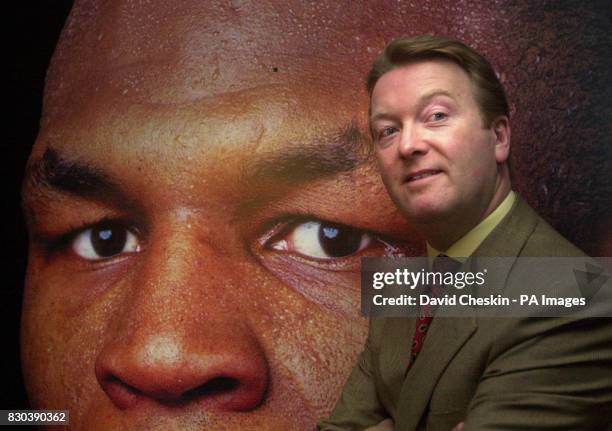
[{"x": 468, "y": 243}]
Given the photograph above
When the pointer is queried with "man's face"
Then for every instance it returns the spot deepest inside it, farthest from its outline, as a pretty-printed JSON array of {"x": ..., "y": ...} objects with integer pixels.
[
  {"x": 437, "y": 160},
  {"x": 195, "y": 243}
]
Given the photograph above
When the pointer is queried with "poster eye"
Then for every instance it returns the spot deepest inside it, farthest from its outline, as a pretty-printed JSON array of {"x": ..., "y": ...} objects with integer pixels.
[
  {"x": 104, "y": 241},
  {"x": 322, "y": 240}
]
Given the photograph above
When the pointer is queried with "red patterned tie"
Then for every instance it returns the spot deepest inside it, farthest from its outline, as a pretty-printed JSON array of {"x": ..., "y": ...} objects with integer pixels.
[{"x": 442, "y": 264}]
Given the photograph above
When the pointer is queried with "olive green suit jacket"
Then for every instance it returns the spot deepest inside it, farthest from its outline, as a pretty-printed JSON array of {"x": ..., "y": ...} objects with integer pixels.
[{"x": 493, "y": 373}]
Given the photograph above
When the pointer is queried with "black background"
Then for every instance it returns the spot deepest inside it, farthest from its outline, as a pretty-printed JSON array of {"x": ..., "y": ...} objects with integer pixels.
[{"x": 32, "y": 32}]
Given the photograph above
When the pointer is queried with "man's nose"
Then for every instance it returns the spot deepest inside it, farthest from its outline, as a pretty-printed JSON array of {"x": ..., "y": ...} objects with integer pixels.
[
  {"x": 412, "y": 143},
  {"x": 179, "y": 338}
]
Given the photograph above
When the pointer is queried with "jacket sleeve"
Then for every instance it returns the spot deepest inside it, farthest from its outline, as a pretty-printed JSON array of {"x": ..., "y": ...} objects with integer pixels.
[
  {"x": 359, "y": 406},
  {"x": 557, "y": 374}
]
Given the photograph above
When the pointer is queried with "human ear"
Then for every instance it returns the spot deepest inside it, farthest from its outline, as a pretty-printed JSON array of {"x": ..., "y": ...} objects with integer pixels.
[{"x": 501, "y": 131}]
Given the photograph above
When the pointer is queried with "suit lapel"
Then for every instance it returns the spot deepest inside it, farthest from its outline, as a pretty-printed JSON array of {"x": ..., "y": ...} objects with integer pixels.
[
  {"x": 396, "y": 345},
  {"x": 448, "y": 334}
]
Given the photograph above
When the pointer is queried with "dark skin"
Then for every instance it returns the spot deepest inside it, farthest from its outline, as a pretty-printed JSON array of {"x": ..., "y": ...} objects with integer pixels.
[
  {"x": 554, "y": 66},
  {"x": 213, "y": 142}
]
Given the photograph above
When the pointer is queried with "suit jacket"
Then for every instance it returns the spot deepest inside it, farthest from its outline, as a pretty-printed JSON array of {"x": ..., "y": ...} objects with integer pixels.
[{"x": 492, "y": 373}]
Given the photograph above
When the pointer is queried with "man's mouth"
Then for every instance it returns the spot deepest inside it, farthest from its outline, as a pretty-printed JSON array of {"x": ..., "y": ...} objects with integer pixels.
[{"x": 419, "y": 175}]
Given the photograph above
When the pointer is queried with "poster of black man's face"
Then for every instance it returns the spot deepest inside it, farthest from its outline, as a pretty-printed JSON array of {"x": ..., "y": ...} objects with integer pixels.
[{"x": 200, "y": 195}]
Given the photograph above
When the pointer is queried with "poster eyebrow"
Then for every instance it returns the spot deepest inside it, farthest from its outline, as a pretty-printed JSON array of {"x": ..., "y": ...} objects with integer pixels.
[
  {"x": 329, "y": 154},
  {"x": 333, "y": 153},
  {"x": 55, "y": 172}
]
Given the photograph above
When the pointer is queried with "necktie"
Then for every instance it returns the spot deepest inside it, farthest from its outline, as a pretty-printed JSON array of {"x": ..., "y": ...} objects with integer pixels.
[{"x": 442, "y": 264}]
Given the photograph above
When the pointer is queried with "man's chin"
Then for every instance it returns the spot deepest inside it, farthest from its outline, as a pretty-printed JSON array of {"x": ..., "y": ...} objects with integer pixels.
[{"x": 424, "y": 213}]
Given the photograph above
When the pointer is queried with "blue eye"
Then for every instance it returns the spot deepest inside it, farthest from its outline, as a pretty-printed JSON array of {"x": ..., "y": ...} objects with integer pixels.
[
  {"x": 105, "y": 240},
  {"x": 387, "y": 131},
  {"x": 438, "y": 116}
]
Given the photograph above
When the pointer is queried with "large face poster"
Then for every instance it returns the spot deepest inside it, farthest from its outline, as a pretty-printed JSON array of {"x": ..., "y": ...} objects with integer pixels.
[{"x": 201, "y": 191}]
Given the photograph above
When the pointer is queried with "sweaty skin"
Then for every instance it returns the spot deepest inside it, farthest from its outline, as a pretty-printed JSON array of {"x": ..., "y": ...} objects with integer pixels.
[{"x": 220, "y": 147}]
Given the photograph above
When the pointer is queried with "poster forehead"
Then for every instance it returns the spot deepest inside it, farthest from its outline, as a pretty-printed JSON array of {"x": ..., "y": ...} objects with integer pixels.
[{"x": 212, "y": 45}]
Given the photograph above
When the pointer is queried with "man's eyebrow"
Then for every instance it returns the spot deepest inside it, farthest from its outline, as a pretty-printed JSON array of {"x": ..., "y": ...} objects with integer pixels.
[
  {"x": 335, "y": 153},
  {"x": 422, "y": 101},
  {"x": 427, "y": 97},
  {"x": 57, "y": 173}
]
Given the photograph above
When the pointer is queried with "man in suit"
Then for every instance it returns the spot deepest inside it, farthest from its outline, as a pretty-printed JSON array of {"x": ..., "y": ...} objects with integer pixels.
[{"x": 440, "y": 125}]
